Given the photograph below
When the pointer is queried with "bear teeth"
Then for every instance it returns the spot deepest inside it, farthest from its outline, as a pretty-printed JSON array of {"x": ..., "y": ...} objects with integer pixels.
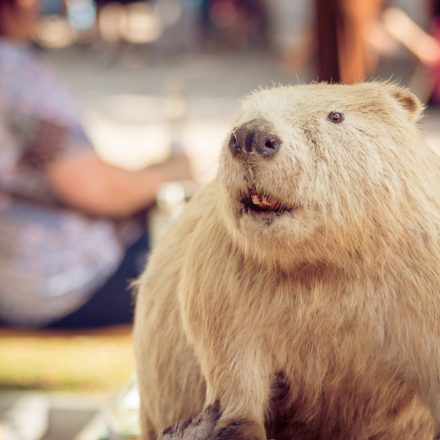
[
  {"x": 254, "y": 202},
  {"x": 264, "y": 202}
]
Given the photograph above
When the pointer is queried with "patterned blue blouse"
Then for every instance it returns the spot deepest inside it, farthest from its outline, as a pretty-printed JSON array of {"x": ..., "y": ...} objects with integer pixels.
[{"x": 52, "y": 258}]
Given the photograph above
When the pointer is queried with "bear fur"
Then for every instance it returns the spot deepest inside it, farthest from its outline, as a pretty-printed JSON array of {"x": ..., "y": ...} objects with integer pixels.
[{"x": 319, "y": 320}]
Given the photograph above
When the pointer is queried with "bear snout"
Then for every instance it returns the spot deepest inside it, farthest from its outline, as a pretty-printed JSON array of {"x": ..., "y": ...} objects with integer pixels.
[{"x": 254, "y": 139}]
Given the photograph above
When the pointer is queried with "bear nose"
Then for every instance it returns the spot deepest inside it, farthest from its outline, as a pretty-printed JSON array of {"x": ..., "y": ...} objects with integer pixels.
[{"x": 255, "y": 137}]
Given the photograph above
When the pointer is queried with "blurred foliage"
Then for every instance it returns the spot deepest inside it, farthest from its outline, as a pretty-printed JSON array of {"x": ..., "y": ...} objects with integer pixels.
[{"x": 96, "y": 361}]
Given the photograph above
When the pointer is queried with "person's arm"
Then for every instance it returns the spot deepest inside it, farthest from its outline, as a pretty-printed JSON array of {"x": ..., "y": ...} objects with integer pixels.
[
  {"x": 85, "y": 182},
  {"x": 424, "y": 46}
]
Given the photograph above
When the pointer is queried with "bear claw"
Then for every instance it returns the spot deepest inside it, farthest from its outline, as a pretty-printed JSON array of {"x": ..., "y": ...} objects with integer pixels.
[{"x": 199, "y": 428}]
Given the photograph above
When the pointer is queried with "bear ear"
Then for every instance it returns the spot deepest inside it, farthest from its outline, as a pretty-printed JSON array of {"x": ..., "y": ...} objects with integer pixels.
[{"x": 407, "y": 100}]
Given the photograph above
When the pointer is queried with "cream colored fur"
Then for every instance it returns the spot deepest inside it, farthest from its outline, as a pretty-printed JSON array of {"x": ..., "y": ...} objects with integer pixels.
[{"x": 341, "y": 297}]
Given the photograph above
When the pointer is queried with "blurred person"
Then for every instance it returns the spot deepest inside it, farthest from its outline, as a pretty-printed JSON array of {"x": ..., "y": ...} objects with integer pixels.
[
  {"x": 422, "y": 44},
  {"x": 67, "y": 250},
  {"x": 350, "y": 33},
  {"x": 343, "y": 54}
]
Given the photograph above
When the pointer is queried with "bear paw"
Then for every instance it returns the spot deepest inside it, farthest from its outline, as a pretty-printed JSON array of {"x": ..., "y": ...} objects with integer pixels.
[
  {"x": 200, "y": 428},
  {"x": 240, "y": 429}
]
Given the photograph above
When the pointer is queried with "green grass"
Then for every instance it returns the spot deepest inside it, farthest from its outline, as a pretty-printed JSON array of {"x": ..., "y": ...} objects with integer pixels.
[{"x": 97, "y": 361}]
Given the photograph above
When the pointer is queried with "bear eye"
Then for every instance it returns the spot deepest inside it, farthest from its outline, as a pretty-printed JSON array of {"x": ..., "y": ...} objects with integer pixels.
[{"x": 335, "y": 117}]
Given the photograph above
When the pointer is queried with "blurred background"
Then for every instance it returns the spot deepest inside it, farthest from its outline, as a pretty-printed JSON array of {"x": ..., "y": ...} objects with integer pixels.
[{"x": 157, "y": 78}]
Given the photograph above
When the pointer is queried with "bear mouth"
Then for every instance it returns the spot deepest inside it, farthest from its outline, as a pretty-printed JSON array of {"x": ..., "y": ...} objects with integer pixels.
[{"x": 259, "y": 203}]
